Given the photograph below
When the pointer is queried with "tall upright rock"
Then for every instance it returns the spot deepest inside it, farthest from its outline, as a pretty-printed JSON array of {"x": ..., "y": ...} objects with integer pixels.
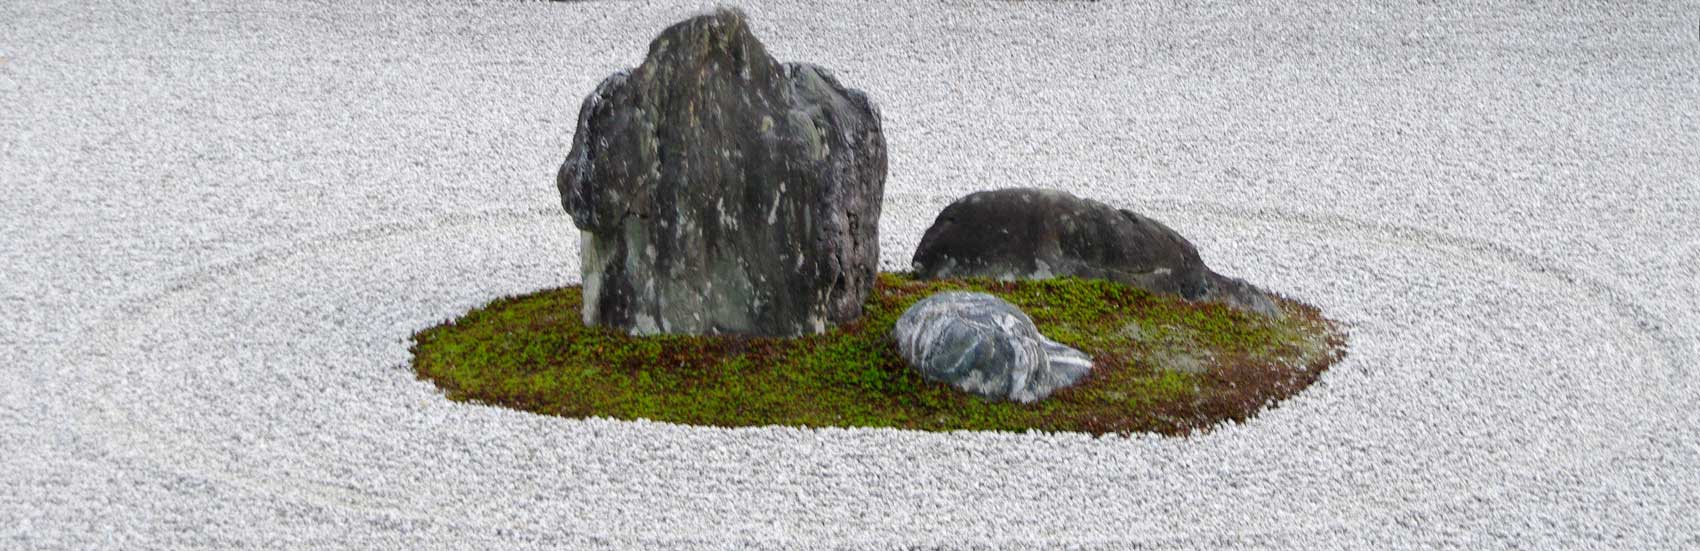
[{"x": 721, "y": 191}]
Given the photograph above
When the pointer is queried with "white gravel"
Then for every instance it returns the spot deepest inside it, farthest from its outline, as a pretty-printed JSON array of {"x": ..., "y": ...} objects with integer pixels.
[{"x": 222, "y": 221}]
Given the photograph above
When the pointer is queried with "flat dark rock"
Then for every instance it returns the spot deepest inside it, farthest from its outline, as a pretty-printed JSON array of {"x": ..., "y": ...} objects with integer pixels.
[
  {"x": 1023, "y": 233},
  {"x": 721, "y": 191}
]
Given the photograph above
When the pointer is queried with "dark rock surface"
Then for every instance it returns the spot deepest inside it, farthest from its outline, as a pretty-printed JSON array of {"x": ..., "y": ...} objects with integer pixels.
[
  {"x": 1023, "y": 233},
  {"x": 981, "y": 344},
  {"x": 721, "y": 191}
]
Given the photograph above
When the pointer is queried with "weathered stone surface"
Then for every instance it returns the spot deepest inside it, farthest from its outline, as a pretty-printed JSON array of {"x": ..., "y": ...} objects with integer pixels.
[
  {"x": 720, "y": 191},
  {"x": 1023, "y": 233},
  {"x": 981, "y": 344}
]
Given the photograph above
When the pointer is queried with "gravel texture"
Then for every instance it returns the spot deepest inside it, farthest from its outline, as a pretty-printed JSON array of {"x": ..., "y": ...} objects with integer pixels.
[{"x": 222, "y": 220}]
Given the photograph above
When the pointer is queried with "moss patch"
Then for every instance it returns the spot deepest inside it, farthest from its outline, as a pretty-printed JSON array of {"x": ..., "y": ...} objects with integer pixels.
[{"x": 1160, "y": 364}]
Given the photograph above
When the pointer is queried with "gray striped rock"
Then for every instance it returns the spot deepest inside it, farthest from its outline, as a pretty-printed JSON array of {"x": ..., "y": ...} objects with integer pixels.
[
  {"x": 718, "y": 190},
  {"x": 983, "y": 345}
]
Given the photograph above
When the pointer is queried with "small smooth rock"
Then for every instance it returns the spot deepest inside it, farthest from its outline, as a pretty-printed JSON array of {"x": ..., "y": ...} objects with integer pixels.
[
  {"x": 1025, "y": 233},
  {"x": 984, "y": 345}
]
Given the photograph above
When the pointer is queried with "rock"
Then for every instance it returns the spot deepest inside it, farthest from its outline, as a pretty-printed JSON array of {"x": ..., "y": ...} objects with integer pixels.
[
  {"x": 981, "y": 344},
  {"x": 720, "y": 191},
  {"x": 1023, "y": 233}
]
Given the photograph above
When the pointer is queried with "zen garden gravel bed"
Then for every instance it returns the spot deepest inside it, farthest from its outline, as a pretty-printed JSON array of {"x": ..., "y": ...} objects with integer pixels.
[{"x": 223, "y": 223}]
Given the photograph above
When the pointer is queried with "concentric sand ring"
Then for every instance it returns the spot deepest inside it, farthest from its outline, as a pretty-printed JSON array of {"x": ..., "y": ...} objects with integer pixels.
[{"x": 462, "y": 463}]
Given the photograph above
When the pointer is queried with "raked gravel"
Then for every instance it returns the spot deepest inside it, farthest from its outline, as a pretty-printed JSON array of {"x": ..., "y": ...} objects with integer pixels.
[{"x": 222, "y": 221}]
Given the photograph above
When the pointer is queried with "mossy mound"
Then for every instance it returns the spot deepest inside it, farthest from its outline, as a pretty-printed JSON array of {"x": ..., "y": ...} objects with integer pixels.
[{"x": 1161, "y": 364}]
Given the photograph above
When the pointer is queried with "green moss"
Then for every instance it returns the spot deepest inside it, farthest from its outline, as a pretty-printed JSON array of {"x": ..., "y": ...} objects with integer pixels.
[{"x": 1161, "y": 364}]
